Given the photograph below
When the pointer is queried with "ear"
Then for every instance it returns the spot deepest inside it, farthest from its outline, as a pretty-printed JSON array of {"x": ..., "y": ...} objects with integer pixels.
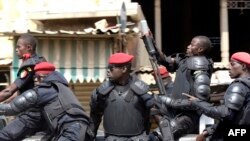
[
  {"x": 244, "y": 66},
  {"x": 124, "y": 69},
  {"x": 29, "y": 48},
  {"x": 200, "y": 50}
]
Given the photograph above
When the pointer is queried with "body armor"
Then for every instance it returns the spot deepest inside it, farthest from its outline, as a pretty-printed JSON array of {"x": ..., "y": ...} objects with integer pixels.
[
  {"x": 66, "y": 103},
  {"x": 193, "y": 77},
  {"x": 125, "y": 108}
]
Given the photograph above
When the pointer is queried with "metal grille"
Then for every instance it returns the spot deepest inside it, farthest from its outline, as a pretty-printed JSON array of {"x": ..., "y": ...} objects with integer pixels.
[{"x": 240, "y": 4}]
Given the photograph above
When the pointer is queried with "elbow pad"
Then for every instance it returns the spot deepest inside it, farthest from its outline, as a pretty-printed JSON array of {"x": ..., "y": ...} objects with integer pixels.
[
  {"x": 20, "y": 103},
  {"x": 202, "y": 85}
]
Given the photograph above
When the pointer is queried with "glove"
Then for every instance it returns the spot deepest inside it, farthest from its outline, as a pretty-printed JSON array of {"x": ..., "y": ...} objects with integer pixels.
[{"x": 175, "y": 103}]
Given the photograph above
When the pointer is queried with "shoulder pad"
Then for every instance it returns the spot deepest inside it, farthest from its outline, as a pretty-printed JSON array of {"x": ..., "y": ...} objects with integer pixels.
[
  {"x": 234, "y": 96},
  {"x": 105, "y": 87},
  {"x": 139, "y": 87},
  {"x": 198, "y": 63}
]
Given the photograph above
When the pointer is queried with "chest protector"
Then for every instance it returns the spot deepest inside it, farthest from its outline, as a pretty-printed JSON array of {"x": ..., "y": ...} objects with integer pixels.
[
  {"x": 124, "y": 113},
  {"x": 242, "y": 118},
  {"x": 66, "y": 103}
]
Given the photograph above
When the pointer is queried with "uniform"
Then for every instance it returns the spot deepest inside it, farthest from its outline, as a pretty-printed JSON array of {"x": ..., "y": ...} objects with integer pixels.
[
  {"x": 236, "y": 107},
  {"x": 28, "y": 122},
  {"x": 124, "y": 107},
  {"x": 193, "y": 77},
  {"x": 61, "y": 110}
]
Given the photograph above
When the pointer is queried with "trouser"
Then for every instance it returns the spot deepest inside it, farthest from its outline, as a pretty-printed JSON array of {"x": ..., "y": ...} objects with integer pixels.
[
  {"x": 141, "y": 137},
  {"x": 25, "y": 124},
  {"x": 73, "y": 131}
]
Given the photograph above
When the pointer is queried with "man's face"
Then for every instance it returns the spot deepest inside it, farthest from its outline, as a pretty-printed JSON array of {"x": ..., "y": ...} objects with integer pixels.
[
  {"x": 235, "y": 69},
  {"x": 194, "y": 47},
  {"x": 38, "y": 78},
  {"x": 114, "y": 73},
  {"x": 22, "y": 48}
]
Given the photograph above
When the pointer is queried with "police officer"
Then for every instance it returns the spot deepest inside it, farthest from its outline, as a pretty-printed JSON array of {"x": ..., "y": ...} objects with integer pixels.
[
  {"x": 157, "y": 134},
  {"x": 123, "y": 102},
  {"x": 193, "y": 73},
  {"x": 27, "y": 122},
  {"x": 61, "y": 109},
  {"x": 235, "y": 109},
  {"x": 166, "y": 78}
]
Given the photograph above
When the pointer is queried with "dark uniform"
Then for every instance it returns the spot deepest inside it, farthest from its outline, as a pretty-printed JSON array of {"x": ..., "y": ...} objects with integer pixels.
[
  {"x": 236, "y": 107},
  {"x": 28, "y": 122},
  {"x": 125, "y": 108},
  {"x": 63, "y": 113},
  {"x": 156, "y": 134},
  {"x": 193, "y": 77}
]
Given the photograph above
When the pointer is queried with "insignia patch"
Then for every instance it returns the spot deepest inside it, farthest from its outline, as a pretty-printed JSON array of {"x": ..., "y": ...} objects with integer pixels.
[
  {"x": 29, "y": 69},
  {"x": 23, "y": 74}
]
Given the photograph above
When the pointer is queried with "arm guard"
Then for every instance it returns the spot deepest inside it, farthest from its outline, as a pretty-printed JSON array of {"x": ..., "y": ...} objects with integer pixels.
[
  {"x": 210, "y": 110},
  {"x": 174, "y": 103},
  {"x": 201, "y": 85},
  {"x": 20, "y": 103},
  {"x": 94, "y": 121},
  {"x": 200, "y": 65},
  {"x": 96, "y": 110},
  {"x": 235, "y": 96}
]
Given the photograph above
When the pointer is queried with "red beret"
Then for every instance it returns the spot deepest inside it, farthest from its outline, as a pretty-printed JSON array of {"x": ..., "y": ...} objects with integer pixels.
[
  {"x": 120, "y": 58},
  {"x": 163, "y": 72},
  {"x": 44, "y": 68},
  {"x": 243, "y": 57}
]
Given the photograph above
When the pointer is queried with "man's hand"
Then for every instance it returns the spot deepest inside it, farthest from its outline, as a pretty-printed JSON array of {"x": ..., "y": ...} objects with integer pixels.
[
  {"x": 158, "y": 98},
  {"x": 7, "y": 92},
  {"x": 202, "y": 136},
  {"x": 12, "y": 97}
]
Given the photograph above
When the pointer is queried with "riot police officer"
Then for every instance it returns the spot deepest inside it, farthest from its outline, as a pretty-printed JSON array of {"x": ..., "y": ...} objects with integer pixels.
[
  {"x": 27, "y": 122},
  {"x": 166, "y": 78},
  {"x": 235, "y": 109},
  {"x": 123, "y": 102},
  {"x": 64, "y": 114},
  {"x": 193, "y": 73}
]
